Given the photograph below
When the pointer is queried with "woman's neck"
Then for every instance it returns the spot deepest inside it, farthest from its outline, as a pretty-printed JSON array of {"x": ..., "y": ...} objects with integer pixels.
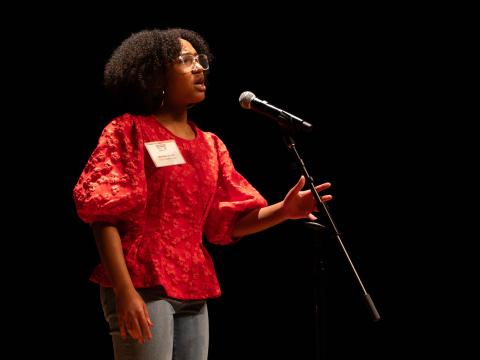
[{"x": 177, "y": 124}]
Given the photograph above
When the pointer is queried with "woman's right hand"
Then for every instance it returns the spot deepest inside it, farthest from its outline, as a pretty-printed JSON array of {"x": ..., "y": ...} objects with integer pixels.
[{"x": 133, "y": 315}]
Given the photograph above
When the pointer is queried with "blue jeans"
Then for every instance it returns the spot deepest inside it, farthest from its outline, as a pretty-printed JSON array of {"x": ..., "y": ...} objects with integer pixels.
[{"x": 180, "y": 328}]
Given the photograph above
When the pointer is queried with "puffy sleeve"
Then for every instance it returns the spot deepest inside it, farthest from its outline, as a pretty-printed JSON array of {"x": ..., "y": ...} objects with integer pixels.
[
  {"x": 112, "y": 186},
  {"x": 234, "y": 196}
]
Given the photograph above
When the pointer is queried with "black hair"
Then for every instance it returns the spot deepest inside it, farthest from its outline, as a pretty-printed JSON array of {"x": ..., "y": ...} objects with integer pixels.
[{"x": 134, "y": 75}]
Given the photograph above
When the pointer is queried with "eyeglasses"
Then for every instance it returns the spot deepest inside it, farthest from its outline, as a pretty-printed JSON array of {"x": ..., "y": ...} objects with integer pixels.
[{"x": 188, "y": 61}]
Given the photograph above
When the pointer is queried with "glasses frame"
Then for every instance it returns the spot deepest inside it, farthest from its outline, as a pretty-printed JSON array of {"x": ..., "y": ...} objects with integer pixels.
[{"x": 195, "y": 60}]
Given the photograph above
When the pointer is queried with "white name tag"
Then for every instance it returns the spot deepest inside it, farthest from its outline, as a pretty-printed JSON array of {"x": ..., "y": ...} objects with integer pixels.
[{"x": 164, "y": 153}]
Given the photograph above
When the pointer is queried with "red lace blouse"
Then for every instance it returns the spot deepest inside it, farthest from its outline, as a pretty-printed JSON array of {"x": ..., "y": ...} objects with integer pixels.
[{"x": 162, "y": 212}]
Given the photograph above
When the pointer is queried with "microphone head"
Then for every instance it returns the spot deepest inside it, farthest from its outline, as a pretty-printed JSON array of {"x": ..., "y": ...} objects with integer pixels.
[{"x": 245, "y": 99}]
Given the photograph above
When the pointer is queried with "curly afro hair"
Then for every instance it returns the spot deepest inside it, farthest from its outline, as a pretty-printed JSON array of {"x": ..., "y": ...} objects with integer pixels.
[{"x": 134, "y": 75}]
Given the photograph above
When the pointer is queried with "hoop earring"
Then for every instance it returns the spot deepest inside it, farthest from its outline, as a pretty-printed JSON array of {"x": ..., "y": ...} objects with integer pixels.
[{"x": 163, "y": 99}]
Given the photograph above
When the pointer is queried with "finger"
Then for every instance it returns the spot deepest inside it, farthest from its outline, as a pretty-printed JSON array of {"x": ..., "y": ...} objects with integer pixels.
[
  {"x": 121, "y": 325},
  {"x": 312, "y": 217},
  {"x": 146, "y": 334},
  {"x": 147, "y": 315},
  {"x": 323, "y": 186},
  {"x": 300, "y": 184},
  {"x": 326, "y": 198},
  {"x": 135, "y": 331},
  {"x": 146, "y": 324}
]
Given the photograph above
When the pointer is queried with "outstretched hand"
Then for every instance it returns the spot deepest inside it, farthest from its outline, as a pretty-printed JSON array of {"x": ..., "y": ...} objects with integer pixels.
[{"x": 300, "y": 204}]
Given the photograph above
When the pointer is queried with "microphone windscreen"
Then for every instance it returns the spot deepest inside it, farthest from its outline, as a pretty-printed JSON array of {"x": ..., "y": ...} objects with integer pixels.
[{"x": 245, "y": 99}]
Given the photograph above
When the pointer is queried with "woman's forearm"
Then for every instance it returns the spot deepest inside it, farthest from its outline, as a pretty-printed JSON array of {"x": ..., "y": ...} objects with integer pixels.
[
  {"x": 259, "y": 219},
  {"x": 111, "y": 253}
]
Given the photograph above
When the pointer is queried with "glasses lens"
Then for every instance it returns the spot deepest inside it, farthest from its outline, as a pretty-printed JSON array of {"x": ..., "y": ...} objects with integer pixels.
[
  {"x": 189, "y": 60},
  {"x": 203, "y": 61}
]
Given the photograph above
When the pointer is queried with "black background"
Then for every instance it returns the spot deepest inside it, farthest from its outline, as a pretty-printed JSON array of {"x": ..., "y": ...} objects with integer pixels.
[{"x": 367, "y": 79}]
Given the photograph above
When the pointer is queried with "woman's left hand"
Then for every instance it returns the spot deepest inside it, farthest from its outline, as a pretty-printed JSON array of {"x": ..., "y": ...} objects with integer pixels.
[{"x": 300, "y": 204}]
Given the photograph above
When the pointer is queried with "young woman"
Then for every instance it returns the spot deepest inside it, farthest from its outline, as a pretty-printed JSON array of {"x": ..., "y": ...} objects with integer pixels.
[{"x": 154, "y": 185}]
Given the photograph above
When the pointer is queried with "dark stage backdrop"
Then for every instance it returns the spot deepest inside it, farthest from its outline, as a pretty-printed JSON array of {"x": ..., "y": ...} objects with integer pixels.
[{"x": 361, "y": 77}]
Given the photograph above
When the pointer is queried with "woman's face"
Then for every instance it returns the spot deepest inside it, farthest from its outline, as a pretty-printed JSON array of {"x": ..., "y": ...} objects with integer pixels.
[{"x": 185, "y": 81}]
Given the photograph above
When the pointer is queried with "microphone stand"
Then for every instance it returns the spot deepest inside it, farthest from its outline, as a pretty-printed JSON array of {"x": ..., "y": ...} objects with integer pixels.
[
  {"x": 290, "y": 143},
  {"x": 319, "y": 298}
]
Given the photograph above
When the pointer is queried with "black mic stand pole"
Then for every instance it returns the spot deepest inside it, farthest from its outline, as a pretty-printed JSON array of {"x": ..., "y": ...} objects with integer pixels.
[
  {"x": 319, "y": 297},
  {"x": 290, "y": 143}
]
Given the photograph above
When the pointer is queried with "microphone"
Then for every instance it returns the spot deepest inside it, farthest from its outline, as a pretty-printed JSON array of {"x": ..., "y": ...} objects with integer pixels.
[{"x": 248, "y": 100}]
